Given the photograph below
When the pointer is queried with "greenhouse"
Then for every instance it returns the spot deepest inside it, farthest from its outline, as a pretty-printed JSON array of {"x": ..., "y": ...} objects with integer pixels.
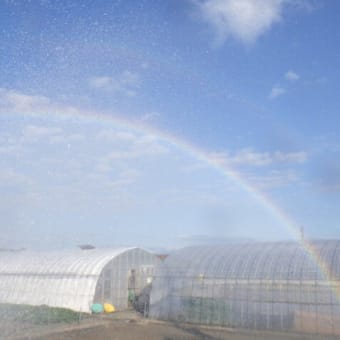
[
  {"x": 75, "y": 279},
  {"x": 286, "y": 286}
]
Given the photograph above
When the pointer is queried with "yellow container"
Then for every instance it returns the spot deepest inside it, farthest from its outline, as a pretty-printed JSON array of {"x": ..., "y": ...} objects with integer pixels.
[{"x": 108, "y": 308}]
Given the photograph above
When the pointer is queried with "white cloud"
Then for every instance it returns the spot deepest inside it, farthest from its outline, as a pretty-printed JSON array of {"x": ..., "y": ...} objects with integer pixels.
[
  {"x": 12, "y": 101},
  {"x": 142, "y": 146},
  {"x": 114, "y": 136},
  {"x": 277, "y": 91},
  {"x": 127, "y": 146},
  {"x": 145, "y": 66},
  {"x": 273, "y": 179},
  {"x": 198, "y": 194},
  {"x": 32, "y": 133},
  {"x": 244, "y": 20},
  {"x": 296, "y": 157},
  {"x": 127, "y": 82},
  {"x": 40, "y": 131},
  {"x": 150, "y": 116},
  {"x": 11, "y": 177},
  {"x": 193, "y": 167},
  {"x": 19, "y": 102},
  {"x": 121, "y": 179},
  {"x": 54, "y": 135},
  {"x": 292, "y": 76},
  {"x": 103, "y": 166},
  {"x": 66, "y": 139},
  {"x": 132, "y": 145},
  {"x": 100, "y": 82},
  {"x": 252, "y": 158},
  {"x": 9, "y": 149}
]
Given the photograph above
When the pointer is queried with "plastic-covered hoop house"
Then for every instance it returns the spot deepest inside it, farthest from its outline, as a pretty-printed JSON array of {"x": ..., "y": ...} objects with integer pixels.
[
  {"x": 74, "y": 279},
  {"x": 274, "y": 286}
]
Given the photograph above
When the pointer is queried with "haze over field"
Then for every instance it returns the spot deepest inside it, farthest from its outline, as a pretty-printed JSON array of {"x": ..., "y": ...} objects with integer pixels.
[{"x": 163, "y": 124}]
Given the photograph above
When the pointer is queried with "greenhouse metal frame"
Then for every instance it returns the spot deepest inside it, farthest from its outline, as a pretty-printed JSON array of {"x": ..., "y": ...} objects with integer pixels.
[
  {"x": 277, "y": 286},
  {"x": 74, "y": 279}
]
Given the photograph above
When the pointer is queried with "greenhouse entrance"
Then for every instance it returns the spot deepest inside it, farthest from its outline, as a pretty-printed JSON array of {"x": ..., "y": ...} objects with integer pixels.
[
  {"x": 139, "y": 288},
  {"x": 132, "y": 287},
  {"x": 123, "y": 278}
]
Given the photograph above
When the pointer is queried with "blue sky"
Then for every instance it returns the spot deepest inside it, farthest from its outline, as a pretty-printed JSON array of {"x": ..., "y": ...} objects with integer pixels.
[{"x": 254, "y": 84}]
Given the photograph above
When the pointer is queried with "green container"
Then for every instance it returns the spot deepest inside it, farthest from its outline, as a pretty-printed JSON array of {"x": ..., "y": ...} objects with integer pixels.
[{"x": 97, "y": 308}]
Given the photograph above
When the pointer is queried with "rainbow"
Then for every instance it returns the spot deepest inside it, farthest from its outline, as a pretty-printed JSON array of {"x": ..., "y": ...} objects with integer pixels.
[{"x": 206, "y": 157}]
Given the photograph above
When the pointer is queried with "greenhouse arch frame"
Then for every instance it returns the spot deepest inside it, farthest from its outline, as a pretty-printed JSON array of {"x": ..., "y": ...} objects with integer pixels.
[
  {"x": 74, "y": 279},
  {"x": 266, "y": 286}
]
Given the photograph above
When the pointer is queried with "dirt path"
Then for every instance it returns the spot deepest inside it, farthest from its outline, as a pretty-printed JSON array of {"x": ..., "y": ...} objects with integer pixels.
[{"x": 130, "y": 326}]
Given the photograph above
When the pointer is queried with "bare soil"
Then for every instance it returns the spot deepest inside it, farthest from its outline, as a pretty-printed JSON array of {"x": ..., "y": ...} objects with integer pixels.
[{"x": 129, "y": 325}]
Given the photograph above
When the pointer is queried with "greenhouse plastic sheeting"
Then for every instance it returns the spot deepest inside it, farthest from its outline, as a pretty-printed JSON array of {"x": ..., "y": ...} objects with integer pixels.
[
  {"x": 276, "y": 286},
  {"x": 71, "y": 279}
]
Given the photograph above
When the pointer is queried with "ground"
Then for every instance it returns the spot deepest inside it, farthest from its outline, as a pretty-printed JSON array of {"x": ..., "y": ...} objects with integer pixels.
[{"x": 130, "y": 325}]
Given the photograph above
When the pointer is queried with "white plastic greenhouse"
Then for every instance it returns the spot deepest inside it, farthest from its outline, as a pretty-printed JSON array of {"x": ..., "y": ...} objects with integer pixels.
[
  {"x": 274, "y": 286},
  {"x": 74, "y": 279}
]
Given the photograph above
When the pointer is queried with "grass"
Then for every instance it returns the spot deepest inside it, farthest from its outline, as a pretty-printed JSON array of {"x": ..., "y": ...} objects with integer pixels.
[{"x": 39, "y": 315}]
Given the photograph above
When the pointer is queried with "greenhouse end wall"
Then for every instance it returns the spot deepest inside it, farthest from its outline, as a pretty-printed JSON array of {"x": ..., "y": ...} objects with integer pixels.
[
  {"x": 263, "y": 286},
  {"x": 126, "y": 274}
]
